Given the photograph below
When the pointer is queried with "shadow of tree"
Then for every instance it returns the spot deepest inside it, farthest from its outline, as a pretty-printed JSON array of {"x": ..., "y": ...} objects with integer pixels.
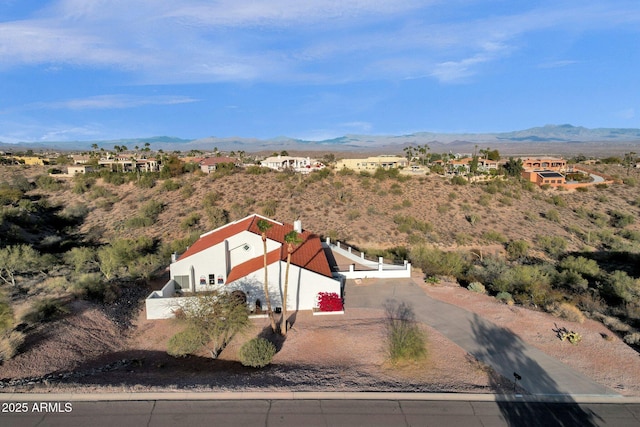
[{"x": 505, "y": 351}]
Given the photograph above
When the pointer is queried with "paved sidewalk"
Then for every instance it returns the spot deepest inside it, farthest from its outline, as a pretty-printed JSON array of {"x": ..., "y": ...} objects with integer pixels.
[{"x": 498, "y": 347}]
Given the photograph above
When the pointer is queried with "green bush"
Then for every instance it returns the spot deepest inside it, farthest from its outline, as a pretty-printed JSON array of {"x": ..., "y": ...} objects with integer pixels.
[
  {"x": 505, "y": 297},
  {"x": 10, "y": 343},
  {"x": 170, "y": 185},
  {"x": 618, "y": 287},
  {"x": 552, "y": 245},
  {"x": 620, "y": 219},
  {"x": 494, "y": 236},
  {"x": 477, "y": 287},
  {"x": 459, "y": 180},
  {"x": 45, "y": 310},
  {"x": 257, "y": 353},
  {"x": 552, "y": 215},
  {"x": 517, "y": 249},
  {"x": 186, "y": 342},
  {"x": 191, "y": 221},
  {"x": 434, "y": 261},
  {"x": 405, "y": 339}
]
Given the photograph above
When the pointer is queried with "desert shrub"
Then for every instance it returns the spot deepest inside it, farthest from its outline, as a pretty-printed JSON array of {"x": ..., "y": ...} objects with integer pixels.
[
  {"x": 45, "y": 310},
  {"x": 618, "y": 287},
  {"x": 517, "y": 249},
  {"x": 612, "y": 322},
  {"x": 582, "y": 189},
  {"x": 571, "y": 280},
  {"x": 494, "y": 236},
  {"x": 554, "y": 246},
  {"x": 408, "y": 224},
  {"x": 458, "y": 180},
  {"x": 484, "y": 200},
  {"x": 329, "y": 301},
  {"x": 9, "y": 195},
  {"x": 552, "y": 215},
  {"x": 632, "y": 338},
  {"x": 48, "y": 183},
  {"x": 582, "y": 265},
  {"x": 10, "y": 343},
  {"x": 76, "y": 211},
  {"x": 632, "y": 235},
  {"x": 477, "y": 287},
  {"x": 505, "y": 297},
  {"x": 353, "y": 214},
  {"x": 138, "y": 222},
  {"x": 405, "y": 341},
  {"x": 256, "y": 170},
  {"x": 528, "y": 284},
  {"x": 566, "y": 311},
  {"x": 434, "y": 261},
  {"x": 602, "y": 186},
  {"x": 269, "y": 208},
  {"x": 257, "y": 353},
  {"x": 186, "y": 342},
  {"x": 620, "y": 219},
  {"x": 463, "y": 238},
  {"x": 213, "y": 320},
  {"x": 91, "y": 286},
  {"x": 6, "y": 314},
  {"x": 630, "y": 181},
  {"x": 217, "y": 216},
  {"x": 191, "y": 221},
  {"x": 557, "y": 200},
  {"x": 147, "y": 180},
  {"x": 152, "y": 209},
  {"x": 170, "y": 185}
]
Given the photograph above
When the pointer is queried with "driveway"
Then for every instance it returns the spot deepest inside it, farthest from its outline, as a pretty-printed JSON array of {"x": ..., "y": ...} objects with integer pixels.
[{"x": 496, "y": 346}]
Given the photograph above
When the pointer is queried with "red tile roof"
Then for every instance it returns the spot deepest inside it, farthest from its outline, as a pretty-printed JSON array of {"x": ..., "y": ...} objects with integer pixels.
[{"x": 308, "y": 255}]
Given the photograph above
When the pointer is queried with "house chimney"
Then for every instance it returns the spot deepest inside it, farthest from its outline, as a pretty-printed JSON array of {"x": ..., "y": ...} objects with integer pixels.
[
  {"x": 297, "y": 226},
  {"x": 174, "y": 257}
]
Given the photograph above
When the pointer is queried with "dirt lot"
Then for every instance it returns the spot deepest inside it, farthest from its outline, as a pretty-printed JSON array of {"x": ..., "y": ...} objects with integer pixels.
[{"x": 335, "y": 353}]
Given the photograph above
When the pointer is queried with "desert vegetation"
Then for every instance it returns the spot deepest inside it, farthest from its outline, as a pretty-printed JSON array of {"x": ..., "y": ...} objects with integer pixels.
[{"x": 90, "y": 236}]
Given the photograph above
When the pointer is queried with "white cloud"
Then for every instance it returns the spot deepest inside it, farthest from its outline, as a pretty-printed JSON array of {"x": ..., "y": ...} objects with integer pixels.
[
  {"x": 163, "y": 41},
  {"x": 557, "y": 64},
  {"x": 115, "y": 101}
]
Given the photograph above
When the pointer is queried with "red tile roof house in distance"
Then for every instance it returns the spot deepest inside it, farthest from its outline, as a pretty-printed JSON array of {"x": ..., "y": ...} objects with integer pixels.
[
  {"x": 230, "y": 258},
  {"x": 210, "y": 164}
]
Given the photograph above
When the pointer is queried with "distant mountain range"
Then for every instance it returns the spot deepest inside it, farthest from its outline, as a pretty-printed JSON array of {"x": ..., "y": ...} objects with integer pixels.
[{"x": 549, "y": 135}]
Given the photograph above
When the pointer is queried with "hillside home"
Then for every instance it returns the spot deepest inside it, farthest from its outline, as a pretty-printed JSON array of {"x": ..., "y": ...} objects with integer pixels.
[
  {"x": 373, "y": 163},
  {"x": 297, "y": 164},
  {"x": 554, "y": 179},
  {"x": 210, "y": 164},
  {"x": 231, "y": 258},
  {"x": 78, "y": 169},
  {"x": 544, "y": 163}
]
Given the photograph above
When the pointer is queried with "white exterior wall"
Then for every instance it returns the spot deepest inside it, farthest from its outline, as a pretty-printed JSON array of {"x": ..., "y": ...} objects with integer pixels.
[
  {"x": 304, "y": 286},
  {"x": 215, "y": 260}
]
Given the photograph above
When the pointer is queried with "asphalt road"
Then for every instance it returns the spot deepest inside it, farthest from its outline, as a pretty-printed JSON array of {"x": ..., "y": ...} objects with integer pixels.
[{"x": 312, "y": 413}]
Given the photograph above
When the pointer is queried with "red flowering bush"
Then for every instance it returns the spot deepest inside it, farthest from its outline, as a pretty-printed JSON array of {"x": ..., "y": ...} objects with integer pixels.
[{"x": 329, "y": 301}]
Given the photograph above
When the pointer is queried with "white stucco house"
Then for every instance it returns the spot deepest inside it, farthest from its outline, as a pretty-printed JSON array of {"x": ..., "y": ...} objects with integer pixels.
[
  {"x": 297, "y": 164},
  {"x": 231, "y": 258}
]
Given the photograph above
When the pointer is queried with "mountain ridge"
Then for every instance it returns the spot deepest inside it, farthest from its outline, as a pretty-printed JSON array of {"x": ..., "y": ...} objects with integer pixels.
[{"x": 564, "y": 133}]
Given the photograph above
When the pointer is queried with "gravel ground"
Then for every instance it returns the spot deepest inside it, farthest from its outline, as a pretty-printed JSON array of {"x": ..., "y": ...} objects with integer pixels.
[{"x": 95, "y": 351}]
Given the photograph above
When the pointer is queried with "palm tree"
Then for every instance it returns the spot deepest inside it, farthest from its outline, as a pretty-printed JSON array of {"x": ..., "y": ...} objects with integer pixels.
[
  {"x": 291, "y": 238},
  {"x": 263, "y": 226}
]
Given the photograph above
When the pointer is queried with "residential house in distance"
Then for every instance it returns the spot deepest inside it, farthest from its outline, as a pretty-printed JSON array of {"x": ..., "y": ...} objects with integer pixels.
[
  {"x": 297, "y": 164},
  {"x": 544, "y": 163},
  {"x": 32, "y": 160},
  {"x": 373, "y": 163},
  {"x": 130, "y": 163},
  {"x": 545, "y": 170},
  {"x": 231, "y": 258},
  {"x": 210, "y": 164},
  {"x": 78, "y": 170}
]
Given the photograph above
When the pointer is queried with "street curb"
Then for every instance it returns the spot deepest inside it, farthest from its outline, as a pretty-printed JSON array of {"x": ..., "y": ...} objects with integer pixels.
[{"x": 286, "y": 395}]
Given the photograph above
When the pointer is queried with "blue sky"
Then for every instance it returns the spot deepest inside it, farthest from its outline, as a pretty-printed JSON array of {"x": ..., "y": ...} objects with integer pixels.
[{"x": 313, "y": 69}]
